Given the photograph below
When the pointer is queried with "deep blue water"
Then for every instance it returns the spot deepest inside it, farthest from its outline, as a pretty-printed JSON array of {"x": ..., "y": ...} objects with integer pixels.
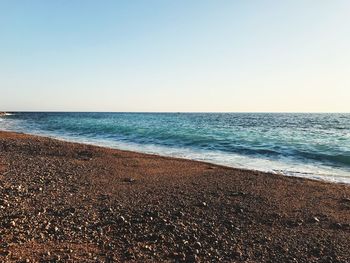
[{"x": 309, "y": 145}]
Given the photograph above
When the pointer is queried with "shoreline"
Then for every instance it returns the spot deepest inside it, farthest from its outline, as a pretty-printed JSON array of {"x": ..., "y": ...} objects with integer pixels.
[
  {"x": 72, "y": 201},
  {"x": 321, "y": 178}
]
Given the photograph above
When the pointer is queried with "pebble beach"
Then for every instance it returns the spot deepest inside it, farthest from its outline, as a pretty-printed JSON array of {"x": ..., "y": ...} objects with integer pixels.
[{"x": 70, "y": 202}]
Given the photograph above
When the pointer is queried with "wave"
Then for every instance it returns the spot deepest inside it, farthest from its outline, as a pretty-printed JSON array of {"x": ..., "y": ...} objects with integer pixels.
[
  {"x": 340, "y": 159},
  {"x": 230, "y": 139},
  {"x": 153, "y": 132}
]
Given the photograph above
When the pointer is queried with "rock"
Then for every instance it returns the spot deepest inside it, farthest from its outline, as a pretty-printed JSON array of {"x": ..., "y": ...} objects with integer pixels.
[
  {"x": 121, "y": 220},
  {"x": 314, "y": 220},
  {"x": 129, "y": 180},
  {"x": 237, "y": 253},
  {"x": 345, "y": 200},
  {"x": 316, "y": 251},
  {"x": 197, "y": 245},
  {"x": 294, "y": 223},
  {"x": 337, "y": 226},
  {"x": 179, "y": 256},
  {"x": 191, "y": 258},
  {"x": 85, "y": 155},
  {"x": 202, "y": 204}
]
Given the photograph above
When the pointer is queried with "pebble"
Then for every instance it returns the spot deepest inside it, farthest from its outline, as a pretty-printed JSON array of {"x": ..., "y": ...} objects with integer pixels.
[
  {"x": 314, "y": 220},
  {"x": 129, "y": 180},
  {"x": 203, "y": 204},
  {"x": 345, "y": 200}
]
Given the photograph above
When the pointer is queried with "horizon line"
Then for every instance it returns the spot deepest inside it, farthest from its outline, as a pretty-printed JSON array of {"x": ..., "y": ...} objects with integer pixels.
[{"x": 70, "y": 111}]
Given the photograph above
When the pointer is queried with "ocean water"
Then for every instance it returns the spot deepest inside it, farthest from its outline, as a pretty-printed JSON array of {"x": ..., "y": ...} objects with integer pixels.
[{"x": 306, "y": 145}]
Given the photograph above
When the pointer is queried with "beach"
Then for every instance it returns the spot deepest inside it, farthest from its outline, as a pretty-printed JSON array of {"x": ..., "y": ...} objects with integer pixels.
[{"x": 70, "y": 202}]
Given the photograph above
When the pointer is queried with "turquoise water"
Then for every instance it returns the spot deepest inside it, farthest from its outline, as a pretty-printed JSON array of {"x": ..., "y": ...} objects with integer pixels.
[{"x": 307, "y": 145}]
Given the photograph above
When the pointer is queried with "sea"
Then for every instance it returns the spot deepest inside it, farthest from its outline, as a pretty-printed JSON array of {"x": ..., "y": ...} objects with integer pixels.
[{"x": 311, "y": 145}]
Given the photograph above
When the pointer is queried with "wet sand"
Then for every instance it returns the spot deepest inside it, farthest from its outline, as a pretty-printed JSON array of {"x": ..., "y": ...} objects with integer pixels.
[{"x": 68, "y": 202}]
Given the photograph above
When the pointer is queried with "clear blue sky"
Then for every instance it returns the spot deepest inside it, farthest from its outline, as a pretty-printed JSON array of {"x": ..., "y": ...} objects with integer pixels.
[{"x": 183, "y": 55}]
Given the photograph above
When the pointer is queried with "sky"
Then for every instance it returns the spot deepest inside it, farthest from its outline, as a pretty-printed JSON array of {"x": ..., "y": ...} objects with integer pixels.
[{"x": 177, "y": 56}]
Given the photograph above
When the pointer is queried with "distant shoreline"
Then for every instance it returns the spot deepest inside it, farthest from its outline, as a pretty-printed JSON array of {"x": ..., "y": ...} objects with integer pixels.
[{"x": 189, "y": 112}]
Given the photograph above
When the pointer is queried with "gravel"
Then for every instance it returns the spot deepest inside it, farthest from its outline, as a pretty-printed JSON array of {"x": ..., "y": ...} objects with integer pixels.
[{"x": 66, "y": 202}]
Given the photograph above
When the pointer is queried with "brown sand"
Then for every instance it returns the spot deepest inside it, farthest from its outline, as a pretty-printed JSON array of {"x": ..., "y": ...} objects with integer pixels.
[{"x": 66, "y": 202}]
